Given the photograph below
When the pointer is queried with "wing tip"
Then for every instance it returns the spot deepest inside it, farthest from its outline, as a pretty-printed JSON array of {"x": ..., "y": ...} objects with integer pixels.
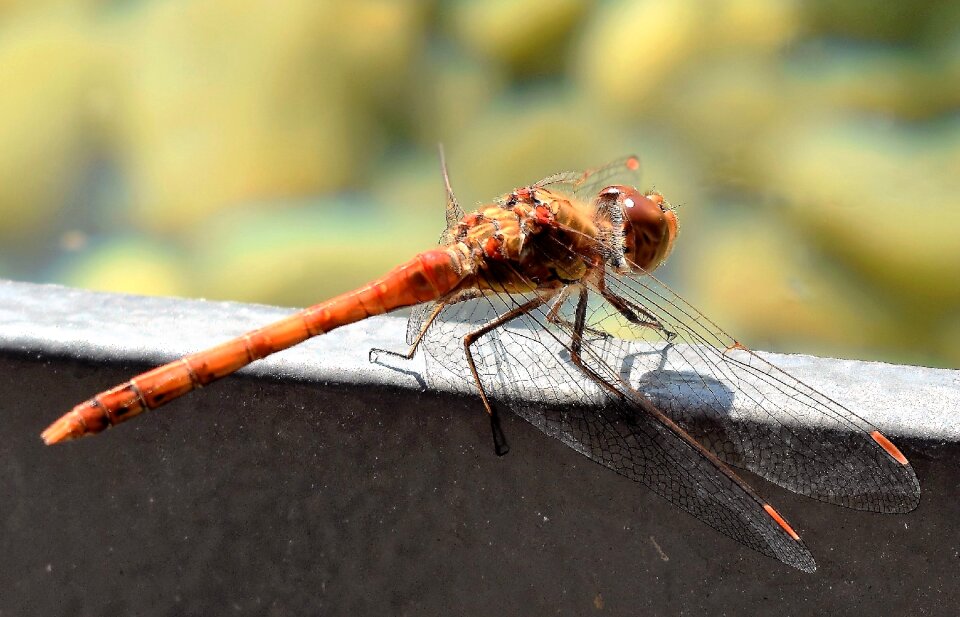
[
  {"x": 809, "y": 566},
  {"x": 798, "y": 556},
  {"x": 889, "y": 448}
]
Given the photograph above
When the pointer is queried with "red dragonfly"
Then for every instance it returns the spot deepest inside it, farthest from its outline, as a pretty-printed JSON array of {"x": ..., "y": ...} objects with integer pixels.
[{"x": 548, "y": 290}]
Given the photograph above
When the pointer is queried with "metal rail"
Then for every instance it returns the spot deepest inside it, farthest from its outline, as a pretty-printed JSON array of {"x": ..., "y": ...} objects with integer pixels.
[
  {"x": 329, "y": 485},
  {"x": 905, "y": 401}
]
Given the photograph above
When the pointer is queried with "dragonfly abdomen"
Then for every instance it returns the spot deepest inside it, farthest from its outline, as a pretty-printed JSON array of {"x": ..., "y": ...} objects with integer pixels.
[{"x": 428, "y": 276}]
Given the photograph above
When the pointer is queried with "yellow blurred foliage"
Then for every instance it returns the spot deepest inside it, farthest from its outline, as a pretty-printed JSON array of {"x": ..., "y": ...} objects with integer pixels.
[
  {"x": 814, "y": 302},
  {"x": 633, "y": 52},
  {"x": 51, "y": 70},
  {"x": 134, "y": 264},
  {"x": 515, "y": 32},
  {"x": 885, "y": 201},
  {"x": 301, "y": 256},
  {"x": 231, "y": 102},
  {"x": 283, "y": 151}
]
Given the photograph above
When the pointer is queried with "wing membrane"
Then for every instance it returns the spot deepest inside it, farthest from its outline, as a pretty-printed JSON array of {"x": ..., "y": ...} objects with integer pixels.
[
  {"x": 765, "y": 420},
  {"x": 529, "y": 360},
  {"x": 587, "y": 184}
]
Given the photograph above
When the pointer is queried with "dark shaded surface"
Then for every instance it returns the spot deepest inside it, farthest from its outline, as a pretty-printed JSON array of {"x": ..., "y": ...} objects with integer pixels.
[{"x": 259, "y": 497}]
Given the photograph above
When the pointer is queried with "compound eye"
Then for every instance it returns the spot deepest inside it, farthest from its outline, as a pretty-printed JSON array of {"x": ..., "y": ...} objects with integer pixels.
[{"x": 649, "y": 228}]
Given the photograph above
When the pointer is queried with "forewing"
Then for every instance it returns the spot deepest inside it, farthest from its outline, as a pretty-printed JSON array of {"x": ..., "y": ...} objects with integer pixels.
[
  {"x": 587, "y": 184},
  {"x": 747, "y": 411},
  {"x": 417, "y": 319},
  {"x": 453, "y": 211},
  {"x": 453, "y": 215}
]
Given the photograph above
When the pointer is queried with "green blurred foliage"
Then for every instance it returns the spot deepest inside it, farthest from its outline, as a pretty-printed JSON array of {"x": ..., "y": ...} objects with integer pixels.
[{"x": 285, "y": 151}]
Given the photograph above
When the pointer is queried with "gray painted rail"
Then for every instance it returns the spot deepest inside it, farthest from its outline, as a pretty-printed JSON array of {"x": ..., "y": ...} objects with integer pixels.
[{"x": 325, "y": 483}]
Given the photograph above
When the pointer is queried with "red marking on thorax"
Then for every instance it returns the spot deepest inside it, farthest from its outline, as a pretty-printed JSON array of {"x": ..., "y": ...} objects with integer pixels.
[
  {"x": 493, "y": 248},
  {"x": 543, "y": 215},
  {"x": 472, "y": 220}
]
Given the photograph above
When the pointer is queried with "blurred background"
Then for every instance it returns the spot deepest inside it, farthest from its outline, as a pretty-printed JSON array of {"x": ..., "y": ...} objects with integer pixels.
[{"x": 281, "y": 152}]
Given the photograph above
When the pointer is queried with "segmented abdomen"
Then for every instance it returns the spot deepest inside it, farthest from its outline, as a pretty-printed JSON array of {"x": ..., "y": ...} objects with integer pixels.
[{"x": 428, "y": 276}]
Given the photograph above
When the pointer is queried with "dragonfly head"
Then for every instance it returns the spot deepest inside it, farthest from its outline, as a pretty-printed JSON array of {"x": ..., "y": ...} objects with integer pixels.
[{"x": 647, "y": 227}]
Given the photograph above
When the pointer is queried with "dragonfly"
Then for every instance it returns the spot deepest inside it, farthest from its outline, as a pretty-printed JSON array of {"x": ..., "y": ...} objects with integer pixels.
[{"x": 543, "y": 302}]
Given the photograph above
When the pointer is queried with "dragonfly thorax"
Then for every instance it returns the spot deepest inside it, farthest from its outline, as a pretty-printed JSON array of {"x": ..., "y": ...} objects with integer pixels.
[{"x": 643, "y": 227}]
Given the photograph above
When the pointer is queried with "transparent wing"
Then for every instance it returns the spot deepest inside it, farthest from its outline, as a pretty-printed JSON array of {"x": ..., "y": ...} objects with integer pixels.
[
  {"x": 417, "y": 316},
  {"x": 587, "y": 184},
  {"x": 529, "y": 359},
  {"x": 453, "y": 215},
  {"x": 746, "y": 411}
]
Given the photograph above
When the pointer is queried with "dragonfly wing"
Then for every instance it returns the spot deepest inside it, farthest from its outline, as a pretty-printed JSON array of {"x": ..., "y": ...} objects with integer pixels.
[
  {"x": 418, "y": 315},
  {"x": 634, "y": 444},
  {"x": 747, "y": 411},
  {"x": 587, "y": 184},
  {"x": 453, "y": 215},
  {"x": 526, "y": 367},
  {"x": 443, "y": 341}
]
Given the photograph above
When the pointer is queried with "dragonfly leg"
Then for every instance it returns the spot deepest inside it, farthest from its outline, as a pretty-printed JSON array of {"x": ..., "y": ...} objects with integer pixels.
[
  {"x": 629, "y": 310},
  {"x": 579, "y": 323},
  {"x": 376, "y": 351},
  {"x": 499, "y": 441},
  {"x": 554, "y": 317},
  {"x": 634, "y": 313},
  {"x": 576, "y": 343}
]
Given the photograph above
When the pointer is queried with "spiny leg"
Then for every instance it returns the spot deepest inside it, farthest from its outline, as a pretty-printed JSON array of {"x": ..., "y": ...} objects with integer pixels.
[
  {"x": 499, "y": 440},
  {"x": 455, "y": 298},
  {"x": 372, "y": 356},
  {"x": 579, "y": 323},
  {"x": 632, "y": 311},
  {"x": 576, "y": 343},
  {"x": 554, "y": 317}
]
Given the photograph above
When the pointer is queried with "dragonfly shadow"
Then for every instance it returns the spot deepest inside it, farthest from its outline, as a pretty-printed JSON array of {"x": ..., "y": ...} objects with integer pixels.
[
  {"x": 701, "y": 405},
  {"x": 376, "y": 355}
]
